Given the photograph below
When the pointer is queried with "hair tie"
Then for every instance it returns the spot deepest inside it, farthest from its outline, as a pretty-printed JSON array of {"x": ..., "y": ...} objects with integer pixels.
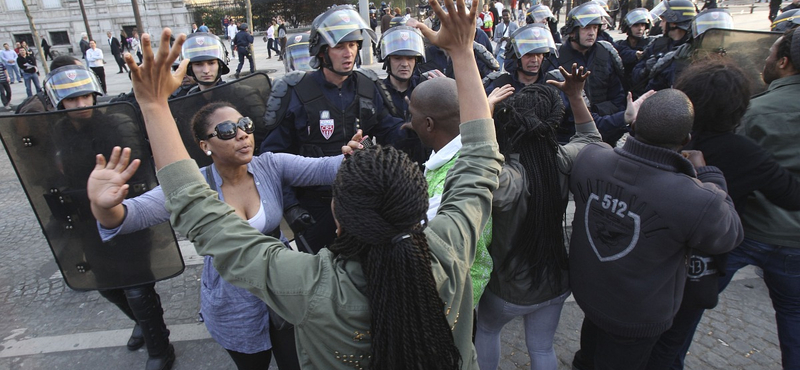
[{"x": 400, "y": 237}]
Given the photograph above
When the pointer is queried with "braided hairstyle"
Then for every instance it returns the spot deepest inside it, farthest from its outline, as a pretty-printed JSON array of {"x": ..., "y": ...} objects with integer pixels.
[
  {"x": 380, "y": 199},
  {"x": 525, "y": 125}
]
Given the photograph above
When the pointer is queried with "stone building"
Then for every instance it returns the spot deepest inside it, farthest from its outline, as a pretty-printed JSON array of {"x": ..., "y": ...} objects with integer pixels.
[{"x": 61, "y": 23}]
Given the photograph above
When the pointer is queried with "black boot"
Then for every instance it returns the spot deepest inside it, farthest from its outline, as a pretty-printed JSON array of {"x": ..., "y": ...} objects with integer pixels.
[
  {"x": 146, "y": 307},
  {"x": 118, "y": 298}
]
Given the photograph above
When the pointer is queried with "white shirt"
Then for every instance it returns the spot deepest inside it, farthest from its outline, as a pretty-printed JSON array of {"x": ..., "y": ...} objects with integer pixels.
[
  {"x": 436, "y": 160},
  {"x": 95, "y": 57},
  {"x": 499, "y": 6},
  {"x": 271, "y": 32},
  {"x": 232, "y": 29}
]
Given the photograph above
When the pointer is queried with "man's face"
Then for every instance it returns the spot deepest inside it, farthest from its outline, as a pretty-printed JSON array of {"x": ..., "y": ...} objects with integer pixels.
[
  {"x": 79, "y": 102},
  {"x": 637, "y": 30},
  {"x": 92, "y": 44},
  {"x": 506, "y": 17},
  {"x": 108, "y": 34},
  {"x": 532, "y": 62},
  {"x": 206, "y": 71},
  {"x": 343, "y": 56},
  {"x": 770, "y": 72},
  {"x": 194, "y": 26},
  {"x": 23, "y": 53},
  {"x": 6, "y": 47},
  {"x": 675, "y": 33},
  {"x": 587, "y": 36},
  {"x": 16, "y": 45},
  {"x": 419, "y": 124},
  {"x": 402, "y": 66}
]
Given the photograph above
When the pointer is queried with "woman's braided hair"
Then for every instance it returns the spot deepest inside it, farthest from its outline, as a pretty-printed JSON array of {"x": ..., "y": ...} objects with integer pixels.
[
  {"x": 380, "y": 201},
  {"x": 526, "y": 125}
]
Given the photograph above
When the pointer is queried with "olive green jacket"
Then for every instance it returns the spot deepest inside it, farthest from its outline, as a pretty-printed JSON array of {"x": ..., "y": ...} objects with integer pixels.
[{"x": 322, "y": 295}]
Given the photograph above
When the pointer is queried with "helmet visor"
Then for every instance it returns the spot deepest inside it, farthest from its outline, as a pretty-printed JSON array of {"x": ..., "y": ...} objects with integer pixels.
[
  {"x": 540, "y": 13},
  {"x": 589, "y": 13},
  {"x": 202, "y": 47},
  {"x": 711, "y": 19},
  {"x": 341, "y": 23},
  {"x": 402, "y": 41},
  {"x": 71, "y": 81},
  {"x": 533, "y": 40},
  {"x": 637, "y": 16},
  {"x": 297, "y": 56},
  {"x": 658, "y": 10}
]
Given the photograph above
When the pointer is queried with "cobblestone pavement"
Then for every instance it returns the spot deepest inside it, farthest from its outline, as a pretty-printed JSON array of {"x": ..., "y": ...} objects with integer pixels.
[{"x": 46, "y": 325}]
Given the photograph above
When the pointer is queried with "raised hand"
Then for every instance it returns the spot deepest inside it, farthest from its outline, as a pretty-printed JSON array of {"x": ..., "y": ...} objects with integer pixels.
[
  {"x": 632, "y": 109},
  {"x": 354, "y": 143},
  {"x": 154, "y": 81},
  {"x": 572, "y": 86},
  {"x": 458, "y": 26},
  {"x": 499, "y": 94},
  {"x": 107, "y": 185}
]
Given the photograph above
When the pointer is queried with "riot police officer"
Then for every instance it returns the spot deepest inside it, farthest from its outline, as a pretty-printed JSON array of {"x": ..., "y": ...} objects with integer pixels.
[
  {"x": 401, "y": 49},
  {"x": 631, "y": 49},
  {"x": 604, "y": 86},
  {"x": 530, "y": 55},
  {"x": 787, "y": 20},
  {"x": 206, "y": 60},
  {"x": 541, "y": 13},
  {"x": 676, "y": 21},
  {"x": 314, "y": 114},
  {"x": 75, "y": 86},
  {"x": 297, "y": 57}
]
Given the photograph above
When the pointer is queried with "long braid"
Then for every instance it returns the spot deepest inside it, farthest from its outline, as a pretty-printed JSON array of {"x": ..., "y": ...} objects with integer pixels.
[
  {"x": 380, "y": 200},
  {"x": 527, "y": 126}
]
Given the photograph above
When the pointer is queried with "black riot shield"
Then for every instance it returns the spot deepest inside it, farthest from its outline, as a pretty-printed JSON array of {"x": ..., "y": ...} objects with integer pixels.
[
  {"x": 53, "y": 154},
  {"x": 248, "y": 95},
  {"x": 747, "y": 48}
]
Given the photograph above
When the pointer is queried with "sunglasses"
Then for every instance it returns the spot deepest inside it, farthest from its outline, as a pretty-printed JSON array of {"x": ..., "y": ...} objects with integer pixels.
[{"x": 227, "y": 130}]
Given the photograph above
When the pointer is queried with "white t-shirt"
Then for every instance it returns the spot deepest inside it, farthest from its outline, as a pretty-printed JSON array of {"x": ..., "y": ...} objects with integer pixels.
[
  {"x": 232, "y": 29},
  {"x": 499, "y": 6},
  {"x": 271, "y": 32},
  {"x": 94, "y": 57}
]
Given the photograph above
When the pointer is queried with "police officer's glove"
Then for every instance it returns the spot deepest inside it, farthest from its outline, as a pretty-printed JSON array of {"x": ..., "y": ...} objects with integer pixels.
[{"x": 299, "y": 219}]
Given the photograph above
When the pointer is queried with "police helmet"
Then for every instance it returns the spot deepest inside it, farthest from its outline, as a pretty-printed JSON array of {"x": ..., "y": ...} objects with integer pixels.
[
  {"x": 338, "y": 24},
  {"x": 202, "y": 46},
  {"x": 538, "y": 13},
  {"x": 584, "y": 15},
  {"x": 680, "y": 12},
  {"x": 243, "y": 26},
  {"x": 71, "y": 81},
  {"x": 297, "y": 57},
  {"x": 787, "y": 20},
  {"x": 636, "y": 16},
  {"x": 399, "y": 21},
  {"x": 711, "y": 18},
  {"x": 533, "y": 38},
  {"x": 401, "y": 40}
]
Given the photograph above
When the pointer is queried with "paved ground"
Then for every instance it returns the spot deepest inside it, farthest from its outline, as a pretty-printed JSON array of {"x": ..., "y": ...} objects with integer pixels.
[{"x": 46, "y": 325}]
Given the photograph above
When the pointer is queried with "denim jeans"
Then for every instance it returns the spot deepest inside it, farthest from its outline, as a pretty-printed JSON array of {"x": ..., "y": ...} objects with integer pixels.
[
  {"x": 28, "y": 77},
  {"x": 541, "y": 321},
  {"x": 781, "y": 266},
  {"x": 14, "y": 74}
]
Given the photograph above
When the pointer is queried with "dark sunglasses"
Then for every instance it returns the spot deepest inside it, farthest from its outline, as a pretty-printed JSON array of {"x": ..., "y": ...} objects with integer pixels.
[{"x": 227, "y": 130}]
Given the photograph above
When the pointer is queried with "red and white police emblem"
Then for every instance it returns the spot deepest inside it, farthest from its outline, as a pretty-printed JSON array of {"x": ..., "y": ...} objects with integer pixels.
[
  {"x": 536, "y": 33},
  {"x": 201, "y": 41},
  {"x": 325, "y": 124},
  {"x": 715, "y": 15},
  {"x": 345, "y": 18},
  {"x": 404, "y": 36},
  {"x": 298, "y": 38},
  {"x": 71, "y": 75}
]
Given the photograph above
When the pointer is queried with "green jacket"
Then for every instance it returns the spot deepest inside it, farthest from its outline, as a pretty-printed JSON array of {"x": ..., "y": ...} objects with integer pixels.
[
  {"x": 322, "y": 294},
  {"x": 772, "y": 121}
]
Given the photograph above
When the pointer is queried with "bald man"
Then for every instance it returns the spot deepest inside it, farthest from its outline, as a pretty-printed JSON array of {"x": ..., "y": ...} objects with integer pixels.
[{"x": 638, "y": 210}]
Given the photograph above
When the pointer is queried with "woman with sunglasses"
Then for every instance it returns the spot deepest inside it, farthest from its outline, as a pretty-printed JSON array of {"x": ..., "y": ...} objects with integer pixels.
[{"x": 236, "y": 319}]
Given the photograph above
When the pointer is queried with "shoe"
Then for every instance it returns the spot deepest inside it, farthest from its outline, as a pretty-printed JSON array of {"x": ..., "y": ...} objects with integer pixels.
[
  {"x": 120, "y": 72},
  {"x": 236, "y": 76},
  {"x": 163, "y": 362},
  {"x": 269, "y": 57},
  {"x": 137, "y": 338},
  {"x": 12, "y": 82}
]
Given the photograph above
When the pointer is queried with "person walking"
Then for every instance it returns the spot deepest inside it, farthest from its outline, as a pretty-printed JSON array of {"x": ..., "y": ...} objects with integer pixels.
[
  {"x": 231, "y": 31},
  {"x": 94, "y": 57},
  {"x": 282, "y": 37},
  {"x": 46, "y": 48},
  {"x": 136, "y": 45},
  {"x": 271, "y": 42},
  {"x": 243, "y": 41},
  {"x": 10, "y": 62},
  {"x": 30, "y": 73},
  {"x": 116, "y": 51},
  {"x": 84, "y": 44}
]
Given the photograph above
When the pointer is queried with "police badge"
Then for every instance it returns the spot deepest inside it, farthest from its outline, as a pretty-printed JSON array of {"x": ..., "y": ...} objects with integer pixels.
[{"x": 325, "y": 124}]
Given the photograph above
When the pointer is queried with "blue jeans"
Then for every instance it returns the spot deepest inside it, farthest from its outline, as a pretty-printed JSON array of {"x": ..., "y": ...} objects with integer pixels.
[
  {"x": 28, "y": 77},
  {"x": 541, "y": 321},
  {"x": 781, "y": 266},
  {"x": 14, "y": 73}
]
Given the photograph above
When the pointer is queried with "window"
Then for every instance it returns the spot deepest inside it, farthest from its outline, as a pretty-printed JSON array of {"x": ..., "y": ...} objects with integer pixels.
[
  {"x": 14, "y": 5},
  {"x": 20, "y": 37},
  {"x": 51, "y": 4},
  {"x": 59, "y": 38}
]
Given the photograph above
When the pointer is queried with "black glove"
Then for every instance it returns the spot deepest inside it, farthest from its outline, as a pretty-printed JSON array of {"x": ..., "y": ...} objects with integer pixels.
[{"x": 299, "y": 219}]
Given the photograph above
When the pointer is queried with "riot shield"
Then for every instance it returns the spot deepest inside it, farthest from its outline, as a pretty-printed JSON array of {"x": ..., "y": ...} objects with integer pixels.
[
  {"x": 248, "y": 95},
  {"x": 53, "y": 154},
  {"x": 747, "y": 48}
]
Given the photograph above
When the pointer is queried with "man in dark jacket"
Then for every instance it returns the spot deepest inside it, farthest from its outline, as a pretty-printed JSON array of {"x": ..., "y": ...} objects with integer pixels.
[
  {"x": 242, "y": 41},
  {"x": 639, "y": 210},
  {"x": 116, "y": 51}
]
